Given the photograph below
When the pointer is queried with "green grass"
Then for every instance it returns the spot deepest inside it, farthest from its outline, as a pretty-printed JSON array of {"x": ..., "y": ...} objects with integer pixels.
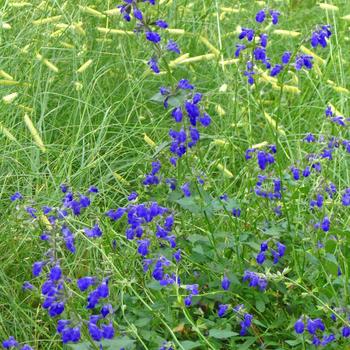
[{"x": 98, "y": 130}]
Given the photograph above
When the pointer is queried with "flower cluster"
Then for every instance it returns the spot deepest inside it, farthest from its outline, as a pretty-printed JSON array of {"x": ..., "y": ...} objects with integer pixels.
[
  {"x": 276, "y": 254},
  {"x": 314, "y": 327},
  {"x": 148, "y": 26},
  {"x": 255, "y": 280},
  {"x": 320, "y": 36},
  {"x": 188, "y": 135},
  {"x": 263, "y": 157},
  {"x": 257, "y": 43},
  {"x": 150, "y": 224},
  {"x": 193, "y": 289},
  {"x": 338, "y": 119},
  {"x": 11, "y": 343},
  {"x": 261, "y": 191}
]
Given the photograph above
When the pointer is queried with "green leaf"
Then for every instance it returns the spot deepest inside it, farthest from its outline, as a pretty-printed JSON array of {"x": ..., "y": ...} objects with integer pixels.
[
  {"x": 260, "y": 305},
  {"x": 158, "y": 97},
  {"x": 246, "y": 345},
  {"x": 330, "y": 246},
  {"x": 80, "y": 346},
  {"x": 188, "y": 345},
  {"x": 189, "y": 204},
  {"x": 293, "y": 342},
  {"x": 221, "y": 333},
  {"x": 331, "y": 264},
  {"x": 117, "y": 343}
]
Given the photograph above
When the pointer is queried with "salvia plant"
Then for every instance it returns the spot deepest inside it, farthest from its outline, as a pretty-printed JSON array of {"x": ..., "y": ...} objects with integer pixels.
[{"x": 203, "y": 267}]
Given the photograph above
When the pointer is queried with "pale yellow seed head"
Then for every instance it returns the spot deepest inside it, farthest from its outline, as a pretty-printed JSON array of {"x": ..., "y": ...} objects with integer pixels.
[
  {"x": 84, "y": 66},
  {"x": 90, "y": 11},
  {"x": 224, "y": 170},
  {"x": 207, "y": 57},
  {"x": 223, "y": 88},
  {"x": 6, "y": 132},
  {"x": 210, "y": 46},
  {"x": 148, "y": 140},
  {"x": 287, "y": 33},
  {"x": 328, "y": 7},
  {"x": 78, "y": 85},
  {"x": 219, "y": 142},
  {"x": 5, "y": 75},
  {"x": 219, "y": 110},
  {"x": 346, "y": 18},
  {"x": 5, "y": 25},
  {"x": 35, "y": 133},
  {"x": 260, "y": 145},
  {"x": 8, "y": 99}
]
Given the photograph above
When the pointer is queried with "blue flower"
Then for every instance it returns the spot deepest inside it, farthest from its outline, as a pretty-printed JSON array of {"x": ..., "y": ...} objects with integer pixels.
[
  {"x": 116, "y": 214},
  {"x": 236, "y": 212},
  {"x": 31, "y": 211},
  {"x": 153, "y": 36},
  {"x": 16, "y": 196},
  {"x": 64, "y": 188},
  {"x": 153, "y": 64},
  {"x": 95, "y": 332},
  {"x": 239, "y": 48},
  {"x": 327, "y": 339},
  {"x": 94, "y": 232},
  {"x": 27, "y": 286},
  {"x": 276, "y": 70},
  {"x": 345, "y": 332},
  {"x": 222, "y": 310},
  {"x": 249, "y": 75},
  {"x": 161, "y": 24},
  {"x": 259, "y": 55},
  {"x": 108, "y": 331},
  {"x": 296, "y": 173},
  {"x": 313, "y": 325},
  {"x": 177, "y": 114},
  {"x": 264, "y": 247},
  {"x": 55, "y": 273},
  {"x": 85, "y": 282},
  {"x": 143, "y": 247},
  {"x": 172, "y": 46},
  {"x": 186, "y": 189},
  {"x": 274, "y": 15},
  {"x": 319, "y": 36},
  {"x": 225, "y": 283},
  {"x": 263, "y": 40},
  {"x": 70, "y": 334},
  {"x": 188, "y": 300},
  {"x": 286, "y": 57},
  {"x": 260, "y": 16},
  {"x": 325, "y": 225},
  {"x": 138, "y": 14},
  {"x": 184, "y": 84},
  {"x": 37, "y": 268},
  {"x": 177, "y": 255},
  {"x": 303, "y": 60},
  {"x": 247, "y": 33},
  {"x": 56, "y": 309},
  {"x": 205, "y": 120},
  {"x": 260, "y": 258},
  {"x": 281, "y": 248},
  {"x": 346, "y": 198},
  {"x": 132, "y": 196},
  {"x": 106, "y": 310},
  {"x": 299, "y": 326},
  {"x": 9, "y": 343}
]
